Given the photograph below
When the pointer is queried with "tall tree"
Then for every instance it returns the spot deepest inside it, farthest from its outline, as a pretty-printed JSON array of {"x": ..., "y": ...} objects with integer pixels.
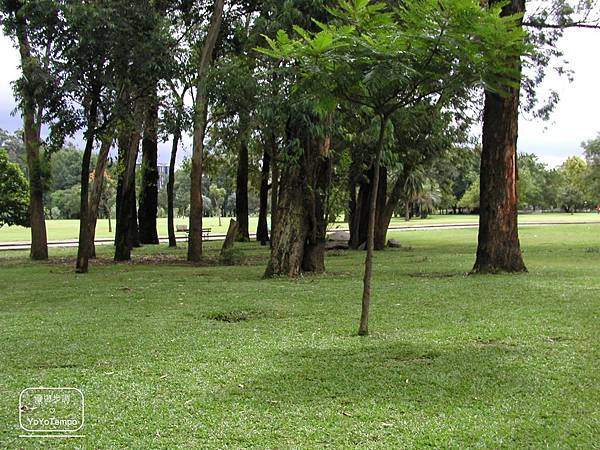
[
  {"x": 199, "y": 125},
  {"x": 498, "y": 247},
  {"x": 437, "y": 50},
  {"x": 33, "y": 28}
]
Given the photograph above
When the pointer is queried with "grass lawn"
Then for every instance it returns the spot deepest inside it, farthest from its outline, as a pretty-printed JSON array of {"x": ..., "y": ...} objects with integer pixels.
[
  {"x": 69, "y": 229},
  {"x": 175, "y": 356}
]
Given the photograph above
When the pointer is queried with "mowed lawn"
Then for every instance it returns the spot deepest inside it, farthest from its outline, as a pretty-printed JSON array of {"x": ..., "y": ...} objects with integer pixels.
[
  {"x": 175, "y": 356},
  {"x": 69, "y": 229}
]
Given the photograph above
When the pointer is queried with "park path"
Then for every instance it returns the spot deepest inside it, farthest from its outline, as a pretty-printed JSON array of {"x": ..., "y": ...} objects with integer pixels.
[{"x": 24, "y": 245}]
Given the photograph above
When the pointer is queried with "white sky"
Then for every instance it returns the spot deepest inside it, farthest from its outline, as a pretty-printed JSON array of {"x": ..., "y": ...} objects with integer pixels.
[{"x": 574, "y": 120}]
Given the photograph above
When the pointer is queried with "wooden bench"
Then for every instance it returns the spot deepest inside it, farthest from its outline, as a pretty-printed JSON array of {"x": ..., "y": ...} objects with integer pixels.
[{"x": 185, "y": 229}]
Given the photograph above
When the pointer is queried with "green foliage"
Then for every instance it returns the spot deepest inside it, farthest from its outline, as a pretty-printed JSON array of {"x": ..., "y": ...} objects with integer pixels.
[
  {"x": 14, "y": 193},
  {"x": 389, "y": 58},
  {"x": 574, "y": 193},
  {"x": 470, "y": 198},
  {"x": 67, "y": 201}
]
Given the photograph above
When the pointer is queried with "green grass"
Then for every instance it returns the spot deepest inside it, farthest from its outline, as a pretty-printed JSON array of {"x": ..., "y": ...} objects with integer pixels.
[
  {"x": 175, "y": 356},
  {"x": 69, "y": 229}
]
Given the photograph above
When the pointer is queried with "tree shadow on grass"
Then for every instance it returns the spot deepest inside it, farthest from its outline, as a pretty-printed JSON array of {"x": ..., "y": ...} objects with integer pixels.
[{"x": 404, "y": 376}]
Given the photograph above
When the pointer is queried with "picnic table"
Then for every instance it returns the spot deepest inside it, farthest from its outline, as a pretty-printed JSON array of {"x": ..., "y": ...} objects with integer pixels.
[{"x": 185, "y": 229}]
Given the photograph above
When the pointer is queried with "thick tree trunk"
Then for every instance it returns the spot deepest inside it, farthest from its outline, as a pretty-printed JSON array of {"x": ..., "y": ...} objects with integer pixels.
[
  {"x": 126, "y": 230},
  {"x": 298, "y": 235},
  {"x": 83, "y": 249},
  {"x": 363, "y": 328},
  {"x": 498, "y": 244},
  {"x": 148, "y": 200},
  {"x": 262, "y": 231},
  {"x": 241, "y": 187},
  {"x": 200, "y": 107},
  {"x": 291, "y": 229},
  {"x": 171, "y": 185}
]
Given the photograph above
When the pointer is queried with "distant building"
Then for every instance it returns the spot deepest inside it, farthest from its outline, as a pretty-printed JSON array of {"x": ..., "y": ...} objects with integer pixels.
[{"x": 163, "y": 174}]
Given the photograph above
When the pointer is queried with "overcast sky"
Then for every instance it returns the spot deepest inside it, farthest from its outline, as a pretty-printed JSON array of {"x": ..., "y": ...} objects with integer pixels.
[{"x": 575, "y": 119}]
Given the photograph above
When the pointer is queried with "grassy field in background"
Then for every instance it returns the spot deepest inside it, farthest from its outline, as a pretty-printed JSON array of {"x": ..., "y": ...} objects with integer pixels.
[
  {"x": 178, "y": 356},
  {"x": 69, "y": 229}
]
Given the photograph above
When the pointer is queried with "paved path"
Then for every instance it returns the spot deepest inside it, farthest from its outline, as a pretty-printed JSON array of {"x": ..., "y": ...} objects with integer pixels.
[{"x": 24, "y": 245}]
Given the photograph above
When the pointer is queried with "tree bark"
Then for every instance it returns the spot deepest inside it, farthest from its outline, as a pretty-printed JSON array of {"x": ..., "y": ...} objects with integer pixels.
[
  {"x": 262, "y": 231},
  {"x": 126, "y": 229},
  {"x": 241, "y": 187},
  {"x": 232, "y": 234},
  {"x": 298, "y": 235},
  {"x": 274, "y": 187},
  {"x": 96, "y": 191},
  {"x": 363, "y": 329},
  {"x": 148, "y": 199},
  {"x": 83, "y": 249},
  {"x": 171, "y": 184},
  {"x": 498, "y": 246},
  {"x": 200, "y": 111},
  {"x": 31, "y": 137}
]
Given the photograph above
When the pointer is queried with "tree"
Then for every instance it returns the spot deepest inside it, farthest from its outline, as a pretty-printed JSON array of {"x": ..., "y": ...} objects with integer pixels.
[
  {"x": 13, "y": 193},
  {"x": 498, "y": 247},
  {"x": 199, "y": 125},
  {"x": 574, "y": 194},
  {"x": 34, "y": 25},
  {"x": 386, "y": 60},
  {"x": 592, "y": 156}
]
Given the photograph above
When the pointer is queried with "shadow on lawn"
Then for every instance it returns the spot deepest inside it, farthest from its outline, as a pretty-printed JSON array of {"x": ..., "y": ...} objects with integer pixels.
[{"x": 397, "y": 376}]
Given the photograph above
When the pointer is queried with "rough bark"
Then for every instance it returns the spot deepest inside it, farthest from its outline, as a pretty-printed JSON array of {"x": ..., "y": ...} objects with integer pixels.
[
  {"x": 498, "y": 246},
  {"x": 148, "y": 199},
  {"x": 241, "y": 187},
  {"x": 298, "y": 235},
  {"x": 363, "y": 328},
  {"x": 200, "y": 107},
  {"x": 83, "y": 248},
  {"x": 262, "y": 231}
]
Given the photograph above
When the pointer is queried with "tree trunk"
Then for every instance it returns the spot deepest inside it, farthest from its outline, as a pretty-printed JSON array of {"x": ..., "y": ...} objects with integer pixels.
[
  {"x": 232, "y": 234},
  {"x": 126, "y": 230},
  {"x": 200, "y": 111},
  {"x": 241, "y": 187},
  {"x": 498, "y": 244},
  {"x": 83, "y": 249},
  {"x": 298, "y": 235},
  {"x": 171, "y": 184},
  {"x": 262, "y": 231},
  {"x": 96, "y": 192},
  {"x": 274, "y": 188},
  {"x": 31, "y": 137},
  {"x": 363, "y": 328},
  {"x": 39, "y": 240},
  {"x": 148, "y": 200}
]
